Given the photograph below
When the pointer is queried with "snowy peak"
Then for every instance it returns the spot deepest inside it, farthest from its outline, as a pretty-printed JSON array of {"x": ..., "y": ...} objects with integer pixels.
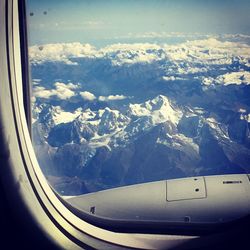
[
  {"x": 158, "y": 109},
  {"x": 159, "y": 102},
  {"x": 111, "y": 121},
  {"x": 86, "y": 115},
  {"x": 55, "y": 115},
  {"x": 105, "y": 124}
]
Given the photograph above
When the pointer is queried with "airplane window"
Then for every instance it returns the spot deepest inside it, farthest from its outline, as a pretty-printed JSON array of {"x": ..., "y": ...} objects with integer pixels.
[{"x": 140, "y": 106}]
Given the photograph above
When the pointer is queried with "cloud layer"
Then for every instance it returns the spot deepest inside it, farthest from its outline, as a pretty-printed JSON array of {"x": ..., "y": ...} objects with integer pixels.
[{"x": 211, "y": 60}]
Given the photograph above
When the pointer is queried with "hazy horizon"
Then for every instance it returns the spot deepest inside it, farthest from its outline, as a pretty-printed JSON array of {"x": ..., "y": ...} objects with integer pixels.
[{"x": 105, "y": 22}]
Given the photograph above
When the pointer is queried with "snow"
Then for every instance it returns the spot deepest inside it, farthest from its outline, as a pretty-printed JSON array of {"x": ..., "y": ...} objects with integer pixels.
[
  {"x": 100, "y": 142},
  {"x": 86, "y": 115},
  {"x": 61, "y": 116},
  {"x": 237, "y": 78},
  {"x": 172, "y": 78},
  {"x": 138, "y": 110},
  {"x": 112, "y": 120},
  {"x": 159, "y": 110},
  {"x": 212, "y": 122},
  {"x": 245, "y": 116},
  {"x": 242, "y": 110},
  {"x": 180, "y": 142},
  {"x": 217, "y": 128},
  {"x": 207, "y": 81},
  {"x": 112, "y": 127}
]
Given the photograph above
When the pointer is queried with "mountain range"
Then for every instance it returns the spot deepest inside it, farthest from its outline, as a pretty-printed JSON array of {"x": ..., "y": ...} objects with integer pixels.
[{"x": 133, "y": 113}]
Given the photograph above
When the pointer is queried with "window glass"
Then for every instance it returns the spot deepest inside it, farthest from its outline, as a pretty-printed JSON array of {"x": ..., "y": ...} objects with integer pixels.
[{"x": 128, "y": 92}]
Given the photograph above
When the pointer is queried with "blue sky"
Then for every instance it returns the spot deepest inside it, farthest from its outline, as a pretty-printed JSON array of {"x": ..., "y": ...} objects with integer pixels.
[{"x": 106, "y": 21}]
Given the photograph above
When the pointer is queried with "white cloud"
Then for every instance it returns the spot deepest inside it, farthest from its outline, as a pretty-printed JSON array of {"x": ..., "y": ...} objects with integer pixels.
[
  {"x": 66, "y": 85},
  {"x": 62, "y": 52},
  {"x": 87, "y": 96},
  {"x": 112, "y": 98},
  {"x": 43, "y": 93},
  {"x": 71, "y": 85},
  {"x": 62, "y": 91}
]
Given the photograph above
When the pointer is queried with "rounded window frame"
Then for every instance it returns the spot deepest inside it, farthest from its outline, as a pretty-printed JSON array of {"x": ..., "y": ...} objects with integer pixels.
[{"x": 40, "y": 201}]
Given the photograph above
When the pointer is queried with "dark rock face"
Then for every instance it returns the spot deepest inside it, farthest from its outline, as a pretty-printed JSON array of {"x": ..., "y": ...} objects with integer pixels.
[
  {"x": 214, "y": 160},
  {"x": 189, "y": 126},
  {"x": 238, "y": 131},
  {"x": 62, "y": 134},
  {"x": 70, "y": 159},
  {"x": 69, "y": 132}
]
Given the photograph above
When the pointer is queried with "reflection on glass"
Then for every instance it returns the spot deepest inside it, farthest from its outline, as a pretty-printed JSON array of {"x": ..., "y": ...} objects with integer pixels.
[{"x": 127, "y": 92}]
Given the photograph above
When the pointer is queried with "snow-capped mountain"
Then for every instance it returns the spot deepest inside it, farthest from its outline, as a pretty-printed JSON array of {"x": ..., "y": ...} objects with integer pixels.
[
  {"x": 131, "y": 113},
  {"x": 93, "y": 126},
  {"x": 189, "y": 142}
]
